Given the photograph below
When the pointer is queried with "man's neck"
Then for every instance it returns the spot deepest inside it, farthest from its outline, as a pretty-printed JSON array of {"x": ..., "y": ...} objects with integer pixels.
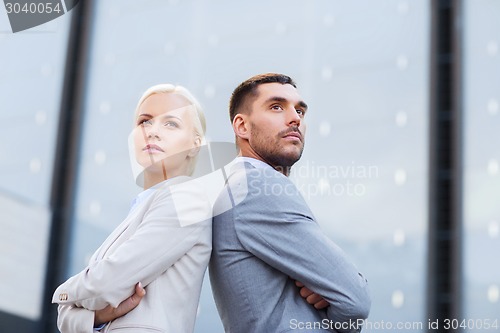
[{"x": 281, "y": 169}]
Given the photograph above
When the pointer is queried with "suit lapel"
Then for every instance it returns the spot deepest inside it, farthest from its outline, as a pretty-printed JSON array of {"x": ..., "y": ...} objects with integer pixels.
[{"x": 134, "y": 216}]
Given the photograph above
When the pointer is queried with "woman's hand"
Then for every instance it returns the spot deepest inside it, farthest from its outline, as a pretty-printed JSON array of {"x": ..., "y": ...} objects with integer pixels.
[{"x": 110, "y": 313}]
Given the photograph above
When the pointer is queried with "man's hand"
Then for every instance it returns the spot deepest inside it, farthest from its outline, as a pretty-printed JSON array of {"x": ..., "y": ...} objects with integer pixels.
[
  {"x": 312, "y": 298},
  {"x": 110, "y": 313}
]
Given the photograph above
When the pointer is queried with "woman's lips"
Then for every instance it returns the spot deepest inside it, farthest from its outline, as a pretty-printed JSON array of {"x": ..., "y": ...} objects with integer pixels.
[{"x": 152, "y": 149}]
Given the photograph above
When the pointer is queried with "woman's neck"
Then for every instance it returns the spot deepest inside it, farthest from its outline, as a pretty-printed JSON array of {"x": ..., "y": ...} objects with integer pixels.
[{"x": 151, "y": 178}]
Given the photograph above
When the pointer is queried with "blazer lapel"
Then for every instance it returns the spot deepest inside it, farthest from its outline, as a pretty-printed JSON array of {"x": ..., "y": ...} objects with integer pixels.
[{"x": 133, "y": 216}]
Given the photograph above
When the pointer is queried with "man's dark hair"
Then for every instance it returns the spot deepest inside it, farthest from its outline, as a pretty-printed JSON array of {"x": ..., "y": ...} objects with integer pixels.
[{"x": 249, "y": 87}]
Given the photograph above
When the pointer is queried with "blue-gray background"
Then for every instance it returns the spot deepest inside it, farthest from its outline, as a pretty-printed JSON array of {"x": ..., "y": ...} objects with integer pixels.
[{"x": 362, "y": 66}]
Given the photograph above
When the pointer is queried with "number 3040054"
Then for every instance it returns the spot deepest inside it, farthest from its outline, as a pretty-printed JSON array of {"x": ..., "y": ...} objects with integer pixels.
[{"x": 33, "y": 8}]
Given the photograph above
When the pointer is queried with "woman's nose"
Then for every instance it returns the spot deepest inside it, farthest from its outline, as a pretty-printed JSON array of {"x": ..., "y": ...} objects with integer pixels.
[{"x": 152, "y": 133}]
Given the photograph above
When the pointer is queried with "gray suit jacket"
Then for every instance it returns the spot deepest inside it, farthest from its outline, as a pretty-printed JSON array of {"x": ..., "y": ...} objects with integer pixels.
[{"x": 264, "y": 238}]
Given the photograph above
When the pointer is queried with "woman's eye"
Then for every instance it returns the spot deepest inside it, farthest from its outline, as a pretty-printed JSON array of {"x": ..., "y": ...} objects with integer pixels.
[
  {"x": 171, "y": 124},
  {"x": 145, "y": 122}
]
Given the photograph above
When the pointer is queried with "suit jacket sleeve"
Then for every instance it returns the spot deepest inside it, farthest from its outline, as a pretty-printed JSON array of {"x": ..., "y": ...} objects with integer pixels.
[
  {"x": 159, "y": 241},
  {"x": 274, "y": 223},
  {"x": 71, "y": 319}
]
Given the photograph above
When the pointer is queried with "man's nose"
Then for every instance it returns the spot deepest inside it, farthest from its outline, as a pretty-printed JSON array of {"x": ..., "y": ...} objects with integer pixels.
[{"x": 293, "y": 118}]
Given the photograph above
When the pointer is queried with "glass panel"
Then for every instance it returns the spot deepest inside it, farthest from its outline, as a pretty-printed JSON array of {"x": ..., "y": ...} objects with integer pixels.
[
  {"x": 31, "y": 71},
  {"x": 481, "y": 160},
  {"x": 362, "y": 67},
  {"x": 365, "y": 165}
]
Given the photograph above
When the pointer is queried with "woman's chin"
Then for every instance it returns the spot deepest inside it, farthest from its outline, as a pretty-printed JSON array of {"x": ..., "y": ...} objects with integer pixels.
[{"x": 153, "y": 168}]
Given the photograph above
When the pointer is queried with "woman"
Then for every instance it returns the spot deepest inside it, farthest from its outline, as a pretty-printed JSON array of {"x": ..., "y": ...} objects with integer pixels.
[{"x": 165, "y": 241}]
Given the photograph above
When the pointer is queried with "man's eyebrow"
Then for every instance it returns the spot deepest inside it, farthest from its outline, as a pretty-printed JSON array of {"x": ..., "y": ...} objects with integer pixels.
[
  {"x": 275, "y": 99},
  {"x": 302, "y": 104}
]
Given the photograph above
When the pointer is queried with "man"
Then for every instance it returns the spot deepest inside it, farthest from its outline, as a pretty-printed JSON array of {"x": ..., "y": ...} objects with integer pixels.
[{"x": 272, "y": 269}]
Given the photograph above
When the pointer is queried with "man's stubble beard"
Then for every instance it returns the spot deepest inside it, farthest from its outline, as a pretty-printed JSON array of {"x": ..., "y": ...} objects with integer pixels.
[{"x": 271, "y": 149}]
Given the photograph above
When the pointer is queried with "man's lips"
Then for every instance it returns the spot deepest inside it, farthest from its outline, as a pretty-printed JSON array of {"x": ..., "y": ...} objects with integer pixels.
[
  {"x": 152, "y": 148},
  {"x": 293, "y": 135}
]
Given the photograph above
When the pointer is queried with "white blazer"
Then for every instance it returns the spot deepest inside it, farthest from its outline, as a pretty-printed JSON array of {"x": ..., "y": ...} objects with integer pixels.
[{"x": 164, "y": 243}]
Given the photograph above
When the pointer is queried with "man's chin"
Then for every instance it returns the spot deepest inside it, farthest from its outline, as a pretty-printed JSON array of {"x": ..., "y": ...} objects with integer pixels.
[
  {"x": 290, "y": 158},
  {"x": 293, "y": 154}
]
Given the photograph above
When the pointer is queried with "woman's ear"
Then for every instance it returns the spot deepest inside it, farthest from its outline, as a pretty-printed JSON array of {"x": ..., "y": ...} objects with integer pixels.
[
  {"x": 241, "y": 126},
  {"x": 197, "y": 146}
]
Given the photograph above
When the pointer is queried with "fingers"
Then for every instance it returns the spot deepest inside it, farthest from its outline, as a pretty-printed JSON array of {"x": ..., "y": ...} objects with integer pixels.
[
  {"x": 321, "y": 304},
  {"x": 314, "y": 298},
  {"x": 311, "y": 297},
  {"x": 135, "y": 299},
  {"x": 109, "y": 313},
  {"x": 132, "y": 302},
  {"x": 139, "y": 290},
  {"x": 305, "y": 292},
  {"x": 317, "y": 301}
]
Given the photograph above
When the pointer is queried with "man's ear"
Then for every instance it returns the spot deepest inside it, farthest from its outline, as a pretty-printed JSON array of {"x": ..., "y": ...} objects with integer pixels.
[{"x": 241, "y": 126}]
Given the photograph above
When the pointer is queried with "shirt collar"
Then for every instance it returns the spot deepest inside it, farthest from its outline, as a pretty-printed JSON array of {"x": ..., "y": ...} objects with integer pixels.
[
  {"x": 144, "y": 195},
  {"x": 255, "y": 162}
]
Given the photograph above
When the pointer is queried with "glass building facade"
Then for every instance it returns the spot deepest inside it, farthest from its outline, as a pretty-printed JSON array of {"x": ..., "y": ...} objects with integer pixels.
[{"x": 481, "y": 159}]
